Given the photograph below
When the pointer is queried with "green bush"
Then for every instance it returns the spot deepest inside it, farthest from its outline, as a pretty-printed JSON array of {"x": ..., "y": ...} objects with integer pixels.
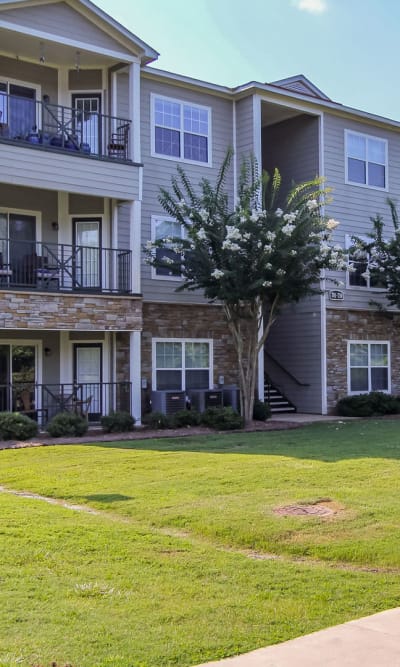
[
  {"x": 222, "y": 419},
  {"x": 67, "y": 424},
  {"x": 117, "y": 422},
  {"x": 368, "y": 405},
  {"x": 14, "y": 426},
  {"x": 185, "y": 418},
  {"x": 157, "y": 420},
  {"x": 261, "y": 411}
]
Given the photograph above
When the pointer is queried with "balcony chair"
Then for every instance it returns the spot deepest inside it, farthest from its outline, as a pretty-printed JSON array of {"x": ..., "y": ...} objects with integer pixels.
[
  {"x": 118, "y": 146},
  {"x": 5, "y": 272}
]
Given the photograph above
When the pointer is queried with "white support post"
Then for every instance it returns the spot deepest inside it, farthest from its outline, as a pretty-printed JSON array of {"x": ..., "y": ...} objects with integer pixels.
[
  {"x": 261, "y": 365},
  {"x": 134, "y": 111},
  {"x": 135, "y": 374},
  {"x": 135, "y": 241}
]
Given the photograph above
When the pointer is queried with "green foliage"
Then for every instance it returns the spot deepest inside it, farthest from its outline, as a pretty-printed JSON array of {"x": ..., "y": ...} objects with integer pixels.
[
  {"x": 14, "y": 426},
  {"x": 368, "y": 405},
  {"x": 185, "y": 418},
  {"x": 157, "y": 420},
  {"x": 222, "y": 419},
  {"x": 117, "y": 422},
  {"x": 261, "y": 411},
  {"x": 67, "y": 424}
]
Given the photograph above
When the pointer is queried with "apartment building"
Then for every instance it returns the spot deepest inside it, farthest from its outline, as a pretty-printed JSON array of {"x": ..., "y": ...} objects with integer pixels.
[{"x": 89, "y": 132}]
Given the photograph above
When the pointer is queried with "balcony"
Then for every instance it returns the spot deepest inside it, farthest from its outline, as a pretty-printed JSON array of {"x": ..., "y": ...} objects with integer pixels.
[
  {"x": 52, "y": 127},
  {"x": 41, "y": 402},
  {"x": 30, "y": 265}
]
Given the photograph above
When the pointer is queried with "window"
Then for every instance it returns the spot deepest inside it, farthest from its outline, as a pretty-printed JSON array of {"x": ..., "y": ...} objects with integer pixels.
[
  {"x": 18, "y": 107},
  {"x": 366, "y": 160},
  {"x": 368, "y": 367},
  {"x": 181, "y": 131},
  {"x": 164, "y": 228},
  {"x": 359, "y": 274},
  {"x": 182, "y": 364}
]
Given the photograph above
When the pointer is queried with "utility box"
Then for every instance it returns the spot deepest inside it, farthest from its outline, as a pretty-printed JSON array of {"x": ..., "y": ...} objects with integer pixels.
[
  {"x": 168, "y": 401},
  {"x": 201, "y": 399}
]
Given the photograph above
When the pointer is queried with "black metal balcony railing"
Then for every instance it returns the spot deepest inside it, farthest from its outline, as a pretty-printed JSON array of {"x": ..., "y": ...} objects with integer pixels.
[
  {"x": 62, "y": 267},
  {"x": 42, "y": 402},
  {"x": 53, "y": 126}
]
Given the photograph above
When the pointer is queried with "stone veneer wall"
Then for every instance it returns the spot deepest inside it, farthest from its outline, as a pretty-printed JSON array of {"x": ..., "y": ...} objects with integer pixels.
[
  {"x": 344, "y": 325},
  {"x": 80, "y": 312},
  {"x": 186, "y": 321}
]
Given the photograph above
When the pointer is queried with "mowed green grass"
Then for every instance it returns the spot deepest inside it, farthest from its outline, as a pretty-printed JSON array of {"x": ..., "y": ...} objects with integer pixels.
[{"x": 173, "y": 569}]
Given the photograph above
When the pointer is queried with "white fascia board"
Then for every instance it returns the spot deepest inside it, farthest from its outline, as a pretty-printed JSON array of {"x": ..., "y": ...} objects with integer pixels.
[{"x": 82, "y": 46}]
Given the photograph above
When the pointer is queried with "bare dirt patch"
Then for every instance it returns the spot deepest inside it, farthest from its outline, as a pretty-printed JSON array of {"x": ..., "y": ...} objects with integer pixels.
[{"x": 322, "y": 508}]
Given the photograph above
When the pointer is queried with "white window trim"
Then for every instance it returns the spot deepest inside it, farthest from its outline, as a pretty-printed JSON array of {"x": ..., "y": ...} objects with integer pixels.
[
  {"x": 369, "y": 343},
  {"x": 153, "y": 97},
  {"x": 182, "y": 369},
  {"x": 28, "y": 84},
  {"x": 38, "y": 345},
  {"x": 346, "y": 167},
  {"x": 155, "y": 220},
  {"x": 348, "y": 245},
  {"x": 33, "y": 214}
]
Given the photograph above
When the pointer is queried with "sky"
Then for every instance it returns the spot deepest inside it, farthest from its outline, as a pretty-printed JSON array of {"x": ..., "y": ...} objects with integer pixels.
[{"x": 347, "y": 48}]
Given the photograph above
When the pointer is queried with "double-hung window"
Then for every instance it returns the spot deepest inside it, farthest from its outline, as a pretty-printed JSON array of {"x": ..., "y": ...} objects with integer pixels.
[
  {"x": 366, "y": 160},
  {"x": 368, "y": 366},
  {"x": 166, "y": 228},
  {"x": 180, "y": 130},
  {"x": 180, "y": 364},
  {"x": 359, "y": 272}
]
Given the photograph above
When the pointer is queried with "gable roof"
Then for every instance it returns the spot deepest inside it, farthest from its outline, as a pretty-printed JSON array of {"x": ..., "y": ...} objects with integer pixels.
[
  {"x": 96, "y": 19},
  {"x": 300, "y": 84}
]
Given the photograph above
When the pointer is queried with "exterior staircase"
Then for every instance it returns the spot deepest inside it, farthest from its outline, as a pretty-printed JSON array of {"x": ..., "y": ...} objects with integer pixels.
[{"x": 277, "y": 401}]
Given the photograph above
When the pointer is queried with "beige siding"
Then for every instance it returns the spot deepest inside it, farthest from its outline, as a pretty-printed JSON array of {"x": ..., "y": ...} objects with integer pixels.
[
  {"x": 158, "y": 172},
  {"x": 38, "y": 75},
  {"x": 295, "y": 342},
  {"x": 80, "y": 205},
  {"x": 90, "y": 79},
  {"x": 60, "y": 20},
  {"x": 353, "y": 206},
  {"x": 69, "y": 173}
]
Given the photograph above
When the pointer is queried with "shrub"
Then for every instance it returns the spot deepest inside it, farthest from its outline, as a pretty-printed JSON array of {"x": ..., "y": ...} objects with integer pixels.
[
  {"x": 222, "y": 419},
  {"x": 14, "y": 426},
  {"x": 117, "y": 422},
  {"x": 67, "y": 424},
  {"x": 185, "y": 418},
  {"x": 157, "y": 420},
  {"x": 261, "y": 411},
  {"x": 368, "y": 405}
]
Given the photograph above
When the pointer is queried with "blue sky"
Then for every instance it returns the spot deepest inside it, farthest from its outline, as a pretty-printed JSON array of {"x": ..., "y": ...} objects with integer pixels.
[{"x": 348, "y": 48}]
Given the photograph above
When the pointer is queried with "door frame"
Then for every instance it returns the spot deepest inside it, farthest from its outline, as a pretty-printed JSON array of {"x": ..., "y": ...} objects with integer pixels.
[
  {"x": 99, "y": 345},
  {"x": 98, "y": 94},
  {"x": 99, "y": 220},
  {"x": 38, "y": 345}
]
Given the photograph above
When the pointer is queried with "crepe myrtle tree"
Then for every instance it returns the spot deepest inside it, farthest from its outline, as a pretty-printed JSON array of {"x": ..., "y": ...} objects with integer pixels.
[
  {"x": 252, "y": 258},
  {"x": 380, "y": 256}
]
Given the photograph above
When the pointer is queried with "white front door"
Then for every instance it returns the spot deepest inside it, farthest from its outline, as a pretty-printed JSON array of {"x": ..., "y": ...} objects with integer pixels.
[
  {"x": 88, "y": 376},
  {"x": 87, "y": 249}
]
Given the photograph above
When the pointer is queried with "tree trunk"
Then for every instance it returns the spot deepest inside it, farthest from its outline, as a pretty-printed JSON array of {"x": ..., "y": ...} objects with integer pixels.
[{"x": 249, "y": 335}]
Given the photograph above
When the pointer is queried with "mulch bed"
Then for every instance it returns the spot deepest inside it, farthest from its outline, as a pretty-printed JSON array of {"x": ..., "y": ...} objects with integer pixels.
[{"x": 142, "y": 433}]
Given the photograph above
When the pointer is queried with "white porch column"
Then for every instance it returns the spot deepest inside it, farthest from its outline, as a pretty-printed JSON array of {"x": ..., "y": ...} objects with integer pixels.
[
  {"x": 134, "y": 111},
  {"x": 135, "y": 215},
  {"x": 261, "y": 366},
  {"x": 135, "y": 374}
]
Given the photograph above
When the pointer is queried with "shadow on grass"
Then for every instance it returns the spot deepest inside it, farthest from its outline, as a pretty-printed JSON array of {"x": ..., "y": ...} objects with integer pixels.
[
  {"x": 108, "y": 497},
  {"x": 370, "y": 438}
]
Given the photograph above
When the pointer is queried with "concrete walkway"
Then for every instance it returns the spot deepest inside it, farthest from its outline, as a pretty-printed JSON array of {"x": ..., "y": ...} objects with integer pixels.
[{"x": 373, "y": 641}]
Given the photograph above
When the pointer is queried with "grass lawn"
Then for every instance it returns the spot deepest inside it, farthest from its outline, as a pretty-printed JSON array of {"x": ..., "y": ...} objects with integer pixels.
[{"x": 175, "y": 566}]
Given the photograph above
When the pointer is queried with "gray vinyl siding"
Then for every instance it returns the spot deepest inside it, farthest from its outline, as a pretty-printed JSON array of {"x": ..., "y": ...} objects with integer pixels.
[
  {"x": 58, "y": 19},
  {"x": 159, "y": 171},
  {"x": 30, "y": 73},
  {"x": 295, "y": 342},
  {"x": 124, "y": 221},
  {"x": 69, "y": 173},
  {"x": 353, "y": 206},
  {"x": 292, "y": 146},
  {"x": 122, "y": 95},
  {"x": 244, "y": 130}
]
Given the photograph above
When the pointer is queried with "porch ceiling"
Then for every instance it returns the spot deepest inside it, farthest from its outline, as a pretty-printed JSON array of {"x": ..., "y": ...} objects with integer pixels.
[
  {"x": 276, "y": 113},
  {"x": 16, "y": 45}
]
